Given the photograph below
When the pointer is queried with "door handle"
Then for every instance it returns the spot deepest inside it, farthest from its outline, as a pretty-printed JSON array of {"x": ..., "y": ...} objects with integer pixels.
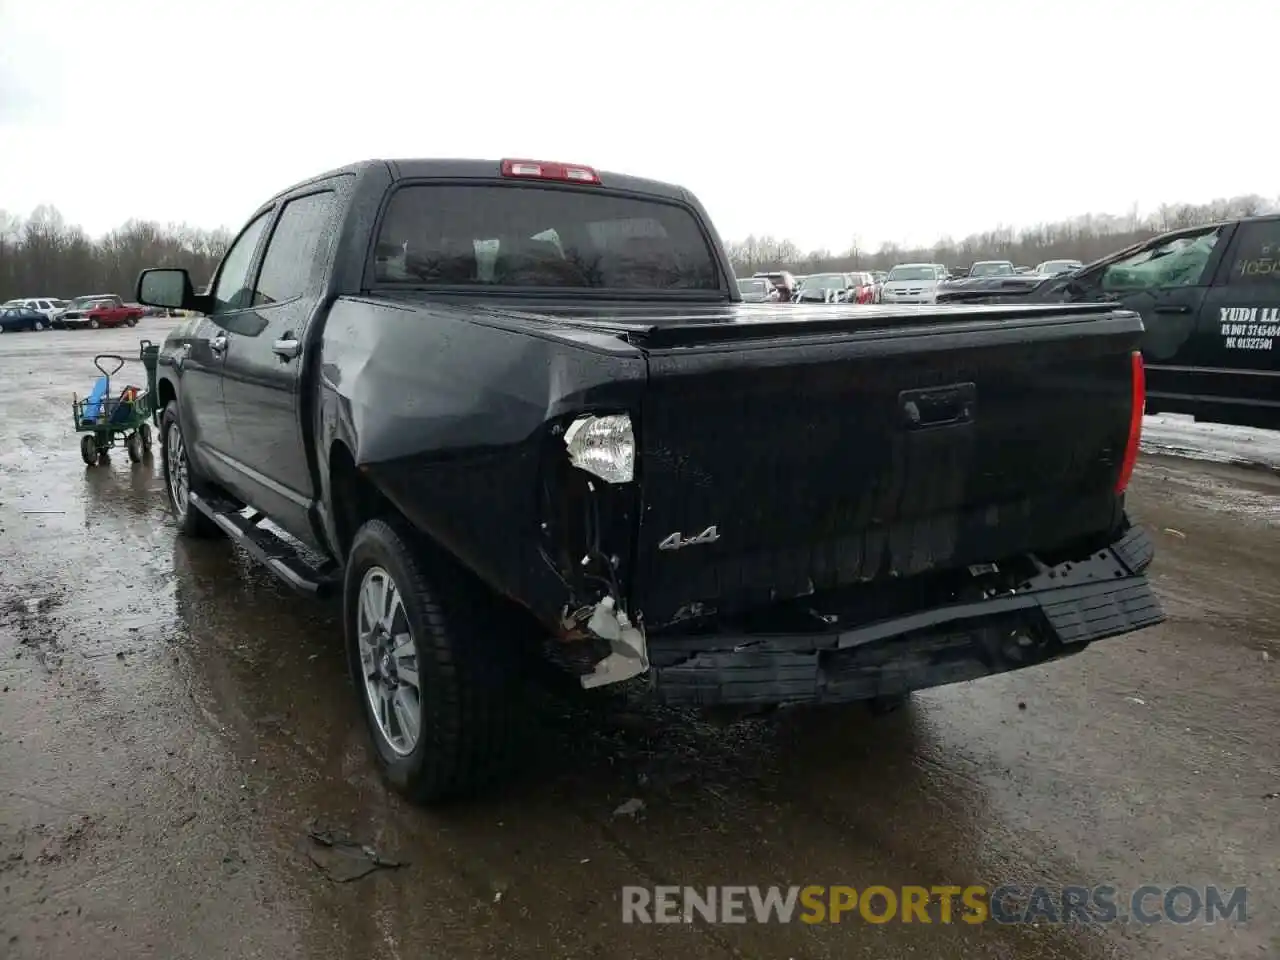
[
  {"x": 218, "y": 344},
  {"x": 286, "y": 348},
  {"x": 1171, "y": 308}
]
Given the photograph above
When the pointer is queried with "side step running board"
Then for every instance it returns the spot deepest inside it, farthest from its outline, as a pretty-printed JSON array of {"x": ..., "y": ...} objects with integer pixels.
[{"x": 273, "y": 552}]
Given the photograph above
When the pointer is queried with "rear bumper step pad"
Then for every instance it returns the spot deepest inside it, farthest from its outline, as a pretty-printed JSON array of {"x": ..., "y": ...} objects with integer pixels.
[{"x": 1058, "y": 612}]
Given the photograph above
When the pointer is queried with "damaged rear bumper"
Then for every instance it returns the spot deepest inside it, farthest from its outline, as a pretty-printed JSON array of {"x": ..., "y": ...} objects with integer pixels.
[{"x": 1057, "y": 612}]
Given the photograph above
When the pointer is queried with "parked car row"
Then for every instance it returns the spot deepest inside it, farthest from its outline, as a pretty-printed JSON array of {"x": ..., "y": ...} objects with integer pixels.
[
  {"x": 859, "y": 286},
  {"x": 88, "y": 312},
  {"x": 924, "y": 282},
  {"x": 905, "y": 283}
]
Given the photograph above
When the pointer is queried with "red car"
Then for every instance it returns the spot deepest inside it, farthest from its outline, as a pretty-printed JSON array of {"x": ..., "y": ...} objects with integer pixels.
[
  {"x": 103, "y": 310},
  {"x": 865, "y": 287}
]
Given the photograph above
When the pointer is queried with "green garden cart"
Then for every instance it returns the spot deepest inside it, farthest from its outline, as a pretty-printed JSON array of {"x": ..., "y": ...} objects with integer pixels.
[{"x": 103, "y": 417}]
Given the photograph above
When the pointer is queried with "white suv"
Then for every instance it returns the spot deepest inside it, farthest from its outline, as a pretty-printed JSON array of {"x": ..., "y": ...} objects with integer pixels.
[{"x": 49, "y": 306}]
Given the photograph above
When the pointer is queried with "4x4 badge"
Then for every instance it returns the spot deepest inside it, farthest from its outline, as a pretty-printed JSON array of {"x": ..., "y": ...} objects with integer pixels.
[{"x": 676, "y": 541}]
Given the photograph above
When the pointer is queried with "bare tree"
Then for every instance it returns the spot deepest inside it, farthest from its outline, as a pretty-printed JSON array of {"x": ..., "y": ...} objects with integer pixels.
[{"x": 42, "y": 255}]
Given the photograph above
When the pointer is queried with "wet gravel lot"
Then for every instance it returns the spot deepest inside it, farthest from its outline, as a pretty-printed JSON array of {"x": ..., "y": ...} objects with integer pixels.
[{"x": 173, "y": 723}]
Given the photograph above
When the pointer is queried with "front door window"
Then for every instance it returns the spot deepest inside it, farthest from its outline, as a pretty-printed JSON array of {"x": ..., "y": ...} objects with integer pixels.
[
  {"x": 234, "y": 290},
  {"x": 1179, "y": 262}
]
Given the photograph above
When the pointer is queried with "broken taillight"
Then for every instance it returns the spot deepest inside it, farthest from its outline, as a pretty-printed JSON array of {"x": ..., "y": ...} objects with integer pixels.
[{"x": 1137, "y": 403}]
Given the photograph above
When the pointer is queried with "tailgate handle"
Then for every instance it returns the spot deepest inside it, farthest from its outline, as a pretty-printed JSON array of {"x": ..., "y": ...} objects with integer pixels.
[{"x": 938, "y": 406}]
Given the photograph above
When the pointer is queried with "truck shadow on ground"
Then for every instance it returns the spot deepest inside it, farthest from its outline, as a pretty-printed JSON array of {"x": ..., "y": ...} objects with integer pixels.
[
  {"x": 799, "y": 796},
  {"x": 247, "y": 632}
]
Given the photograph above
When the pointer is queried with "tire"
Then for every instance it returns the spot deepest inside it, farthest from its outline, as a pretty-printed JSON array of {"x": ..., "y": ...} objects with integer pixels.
[
  {"x": 93, "y": 324},
  {"x": 133, "y": 447},
  {"x": 132, "y": 322},
  {"x": 191, "y": 522},
  {"x": 144, "y": 429},
  {"x": 89, "y": 449},
  {"x": 467, "y": 662},
  {"x": 38, "y": 327}
]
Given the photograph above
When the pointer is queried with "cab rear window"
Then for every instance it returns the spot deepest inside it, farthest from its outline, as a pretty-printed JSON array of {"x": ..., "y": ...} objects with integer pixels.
[{"x": 541, "y": 237}]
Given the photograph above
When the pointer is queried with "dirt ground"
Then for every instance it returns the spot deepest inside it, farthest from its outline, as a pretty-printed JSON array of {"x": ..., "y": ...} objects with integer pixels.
[{"x": 173, "y": 723}]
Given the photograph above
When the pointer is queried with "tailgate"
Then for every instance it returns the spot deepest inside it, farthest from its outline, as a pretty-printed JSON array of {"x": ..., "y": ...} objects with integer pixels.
[{"x": 823, "y": 459}]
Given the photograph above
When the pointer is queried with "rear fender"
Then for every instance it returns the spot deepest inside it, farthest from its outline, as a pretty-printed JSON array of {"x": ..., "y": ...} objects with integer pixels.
[{"x": 460, "y": 424}]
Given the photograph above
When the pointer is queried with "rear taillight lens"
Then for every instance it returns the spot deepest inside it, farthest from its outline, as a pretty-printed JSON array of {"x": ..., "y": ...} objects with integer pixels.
[
  {"x": 1137, "y": 403},
  {"x": 544, "y": 170}
]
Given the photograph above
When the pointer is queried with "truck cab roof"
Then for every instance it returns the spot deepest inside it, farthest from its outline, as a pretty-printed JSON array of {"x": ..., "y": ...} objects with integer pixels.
[{"x": 476, "y": 169}]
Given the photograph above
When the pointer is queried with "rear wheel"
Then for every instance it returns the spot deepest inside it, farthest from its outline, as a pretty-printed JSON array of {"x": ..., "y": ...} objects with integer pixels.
[
  {"x": 180, "y": 479},
  {"x": 39, "y": 325},
  {"x": 437, "y": 676}
]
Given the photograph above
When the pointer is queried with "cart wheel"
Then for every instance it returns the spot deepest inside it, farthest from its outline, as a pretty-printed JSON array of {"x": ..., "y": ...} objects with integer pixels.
[
  {"x": 88, "y": 449},
  {"x": 145, "y": 431},
  {"x": 133, "y": 446}
]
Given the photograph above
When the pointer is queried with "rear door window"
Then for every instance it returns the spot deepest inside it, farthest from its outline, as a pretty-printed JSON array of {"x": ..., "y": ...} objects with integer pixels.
[
  {"x": 541, "y": 237},
  {"x": 1255, "y": 260},
  {"x": 1179, "y": 262},
  {"x": 299, "y": 241}
]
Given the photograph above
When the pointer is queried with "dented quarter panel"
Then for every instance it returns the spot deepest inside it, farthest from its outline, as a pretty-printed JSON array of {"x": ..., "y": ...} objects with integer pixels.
[{"x": 449, "y": 416}]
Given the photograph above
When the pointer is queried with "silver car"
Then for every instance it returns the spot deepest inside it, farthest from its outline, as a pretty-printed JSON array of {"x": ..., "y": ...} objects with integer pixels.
[
  {"x": 913, "y": 283},
  {"x": 1052, "y": 268}
]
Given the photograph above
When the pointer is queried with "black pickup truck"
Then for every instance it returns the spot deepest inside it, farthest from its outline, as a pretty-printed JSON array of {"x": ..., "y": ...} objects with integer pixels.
[
  {"x": 1209, "y": 297},
  {"x": 514, "y": 408}
]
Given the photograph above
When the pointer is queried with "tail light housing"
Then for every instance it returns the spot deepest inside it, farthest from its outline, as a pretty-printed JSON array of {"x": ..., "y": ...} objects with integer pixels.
[
  {"x": 1137, "y": 404},
  {"x": 546, "y": 170}
]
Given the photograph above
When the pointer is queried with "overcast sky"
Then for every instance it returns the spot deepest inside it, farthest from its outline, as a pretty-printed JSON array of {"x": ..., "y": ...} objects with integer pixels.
[{"x": 900, "y": 120}]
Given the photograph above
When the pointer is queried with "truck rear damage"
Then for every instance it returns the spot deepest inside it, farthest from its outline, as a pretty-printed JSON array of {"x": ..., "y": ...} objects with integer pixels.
[{"x": 848, "y": 516}]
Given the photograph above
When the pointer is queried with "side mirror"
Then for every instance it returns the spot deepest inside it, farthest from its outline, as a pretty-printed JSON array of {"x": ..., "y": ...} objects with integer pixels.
[{"x": 164, "y": 287}]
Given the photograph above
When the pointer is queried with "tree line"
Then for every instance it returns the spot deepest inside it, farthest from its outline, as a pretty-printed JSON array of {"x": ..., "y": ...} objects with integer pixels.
[
  {"x": 1084, "y": 238},
  {"x": 43, "y": 255}
]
